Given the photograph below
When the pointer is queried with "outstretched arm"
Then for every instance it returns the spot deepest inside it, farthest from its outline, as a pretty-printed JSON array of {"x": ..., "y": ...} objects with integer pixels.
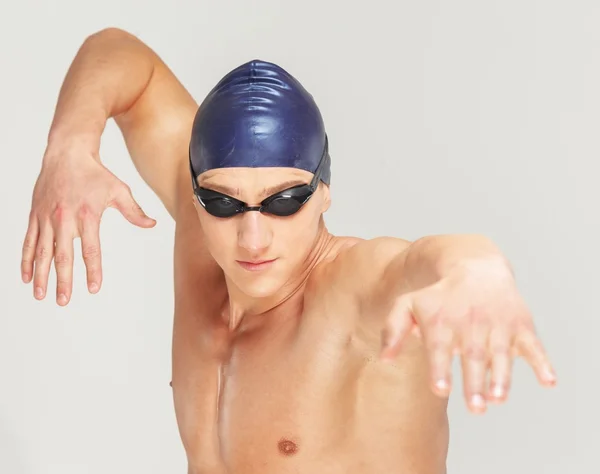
[{"x": 459, "y": 293}]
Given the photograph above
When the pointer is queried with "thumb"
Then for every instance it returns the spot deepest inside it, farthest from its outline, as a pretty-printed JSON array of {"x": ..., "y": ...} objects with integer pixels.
[
  {"x": 131, "y": 210},
  {"x": 398, "y": 327}
]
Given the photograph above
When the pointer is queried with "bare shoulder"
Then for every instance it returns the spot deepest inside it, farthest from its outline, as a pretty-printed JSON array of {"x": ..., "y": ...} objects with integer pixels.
[{"x": 355, "y": 265}]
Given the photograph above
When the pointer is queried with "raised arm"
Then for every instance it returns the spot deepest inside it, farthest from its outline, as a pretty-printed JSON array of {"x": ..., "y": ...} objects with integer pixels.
[{"x": 114, "y": 75}]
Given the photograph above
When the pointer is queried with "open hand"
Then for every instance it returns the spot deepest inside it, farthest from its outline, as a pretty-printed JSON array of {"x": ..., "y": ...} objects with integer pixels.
[
  {"x": 70, "y": 195},
  {"x": 477, "y": 313}
]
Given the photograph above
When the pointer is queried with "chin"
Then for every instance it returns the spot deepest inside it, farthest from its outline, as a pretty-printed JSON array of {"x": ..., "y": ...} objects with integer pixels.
[
  {"x": 260, "y": 288},
  {"x": 257, "y": 284}
]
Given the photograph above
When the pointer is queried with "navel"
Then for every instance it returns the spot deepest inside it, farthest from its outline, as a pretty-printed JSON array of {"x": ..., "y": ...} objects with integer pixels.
[{"x": 287, "y": 447}]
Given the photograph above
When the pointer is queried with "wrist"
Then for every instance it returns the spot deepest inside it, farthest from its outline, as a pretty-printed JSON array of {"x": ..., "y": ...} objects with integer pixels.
[
  {"x": 433, "y": 258},
  {"x": 66, "y": 142}
]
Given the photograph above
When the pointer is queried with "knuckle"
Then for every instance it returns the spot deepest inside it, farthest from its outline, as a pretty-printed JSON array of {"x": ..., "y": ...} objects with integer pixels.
[
  {"x": 527, "y": 338},
  {"x": 85, "y": 212},
  {"x": 59, "y": 212},
  {"x": 62, "y": 259},
  {"x": 500, "y": 350},
  {"x": 90, "y": 252},
  {"x": 121, "y": 190},
  {"x": 477, "y": 317},
  {"x": 136, "y": 208},
  {"x": 63, "y": 284},
  {"x": 523, "y": 325},
  {"x": 43, "y": 252},
  {"x": 512, "y": 325},
  {"x": 437, "y": 344},
  {"x": 28, "y": 245},
  {"x": 436, "y": 321},
  {"x": 475, "y": 352}
]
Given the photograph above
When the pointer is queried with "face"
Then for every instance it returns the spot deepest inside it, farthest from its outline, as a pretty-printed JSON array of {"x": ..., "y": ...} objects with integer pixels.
[{"x": 261, "y": 252}]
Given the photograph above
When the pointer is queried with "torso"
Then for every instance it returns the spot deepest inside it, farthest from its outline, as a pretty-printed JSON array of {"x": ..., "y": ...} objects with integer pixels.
[{"x": 305, "y": 392}]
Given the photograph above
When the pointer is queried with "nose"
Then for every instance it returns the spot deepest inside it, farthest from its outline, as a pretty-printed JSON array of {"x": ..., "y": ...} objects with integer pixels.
[{"x": 254, "y": 232}]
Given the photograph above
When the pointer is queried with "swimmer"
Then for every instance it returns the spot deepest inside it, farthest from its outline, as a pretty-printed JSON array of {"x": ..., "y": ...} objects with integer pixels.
[{"x": 294, "y": 350}]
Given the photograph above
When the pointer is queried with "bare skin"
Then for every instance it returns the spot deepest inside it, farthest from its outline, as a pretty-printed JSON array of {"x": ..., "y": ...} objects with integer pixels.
[
  {"x": 301, "y": 387},
  {"x": 281, "y": 370},
  {"x": 306, "y": 391}
]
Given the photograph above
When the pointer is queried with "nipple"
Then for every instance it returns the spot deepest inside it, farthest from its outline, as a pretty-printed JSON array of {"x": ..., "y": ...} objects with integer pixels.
[{"x": 287, "y": 447}]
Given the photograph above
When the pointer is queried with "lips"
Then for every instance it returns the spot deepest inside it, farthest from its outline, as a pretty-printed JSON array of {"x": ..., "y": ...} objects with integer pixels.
[{"x": 256, "y": 265}]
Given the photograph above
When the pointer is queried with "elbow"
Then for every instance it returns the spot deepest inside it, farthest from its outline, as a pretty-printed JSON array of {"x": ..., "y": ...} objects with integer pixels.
[{"x": 110, "y": 33}]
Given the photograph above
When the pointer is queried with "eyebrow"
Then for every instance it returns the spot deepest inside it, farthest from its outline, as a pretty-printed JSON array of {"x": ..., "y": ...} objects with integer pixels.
[{"x": 267, "y": 191}]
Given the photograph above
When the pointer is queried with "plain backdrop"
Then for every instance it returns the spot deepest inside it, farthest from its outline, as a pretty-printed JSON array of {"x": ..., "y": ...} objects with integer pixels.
[{"x": 443, "y": 116}]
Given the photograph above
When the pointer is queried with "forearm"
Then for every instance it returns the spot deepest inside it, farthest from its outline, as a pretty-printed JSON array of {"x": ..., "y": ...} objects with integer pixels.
[
  {"x": 109, "y": 73},
  {"x": 431, "y": 258}
]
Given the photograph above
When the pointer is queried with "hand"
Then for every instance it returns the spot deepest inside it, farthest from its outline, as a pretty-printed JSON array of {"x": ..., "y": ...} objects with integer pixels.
[
  {"x": 69, "y": 198},
  {"x": 475, "y": 312}
]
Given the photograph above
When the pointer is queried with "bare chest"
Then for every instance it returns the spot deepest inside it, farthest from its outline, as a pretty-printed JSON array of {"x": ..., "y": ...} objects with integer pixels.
[{"x": 309, "y": 395}]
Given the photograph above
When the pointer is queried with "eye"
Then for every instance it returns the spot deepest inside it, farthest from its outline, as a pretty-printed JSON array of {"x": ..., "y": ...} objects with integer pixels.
[
  {"x": 283, "y": 206},
  {"x": 223, "y": 204}
]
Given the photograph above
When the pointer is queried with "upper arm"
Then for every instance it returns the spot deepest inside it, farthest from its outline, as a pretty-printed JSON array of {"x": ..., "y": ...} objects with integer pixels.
[{"x": 157, "y": 130}]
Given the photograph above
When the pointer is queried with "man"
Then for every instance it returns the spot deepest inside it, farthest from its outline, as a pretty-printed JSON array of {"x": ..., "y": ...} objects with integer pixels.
[{"x": 279, "y": 364}]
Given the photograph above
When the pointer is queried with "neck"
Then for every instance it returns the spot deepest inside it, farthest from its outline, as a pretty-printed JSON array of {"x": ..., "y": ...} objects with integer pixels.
[{"x": 242, "y": 307}]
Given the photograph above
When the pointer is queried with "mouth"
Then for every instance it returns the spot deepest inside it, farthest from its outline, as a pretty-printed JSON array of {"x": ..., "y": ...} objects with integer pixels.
[{"x": 256, "y": 265}]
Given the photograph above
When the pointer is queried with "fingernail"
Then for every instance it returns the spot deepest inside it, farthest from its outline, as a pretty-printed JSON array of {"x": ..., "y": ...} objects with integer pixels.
[
  {"x": 25, "y": 277},
  {"x": 39, "y": 293},
  {"x": 498, "y": 391},
  {"x": 549, "y": 375},
  {"x": 441, "y": 384},
  {"x": 93, "y": 287},
  {"x": 477, "y": 401},
  {"x": 62, "y": 299}
]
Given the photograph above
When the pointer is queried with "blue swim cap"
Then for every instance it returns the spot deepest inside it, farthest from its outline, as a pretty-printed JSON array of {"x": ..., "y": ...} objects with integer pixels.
[{"x": 258, "y": 115}]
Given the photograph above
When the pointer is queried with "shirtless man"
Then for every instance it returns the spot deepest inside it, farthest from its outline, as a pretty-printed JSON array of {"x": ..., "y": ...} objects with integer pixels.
[{"x": 278, "y": 367}]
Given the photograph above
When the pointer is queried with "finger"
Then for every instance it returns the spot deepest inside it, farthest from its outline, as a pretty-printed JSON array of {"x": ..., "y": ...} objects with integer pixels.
[
  {"x": 501, "y": 364},
  {"x": 530, "y": 347},
  {"x": 29, "y": 246},
  {"x": 397, "y": 328},
  {"x": 440, "y": 338},
  {"x": 474, "y": 344},
  {"x": 63, "y": 262},
  {"x": 131, "y": 210},
  {"x": 91, "y": 251},
  {"x": 43, "y": 257}
]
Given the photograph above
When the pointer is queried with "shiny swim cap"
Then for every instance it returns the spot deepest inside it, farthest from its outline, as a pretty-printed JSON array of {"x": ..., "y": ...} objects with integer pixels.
[{"x": 258, "y": 115}]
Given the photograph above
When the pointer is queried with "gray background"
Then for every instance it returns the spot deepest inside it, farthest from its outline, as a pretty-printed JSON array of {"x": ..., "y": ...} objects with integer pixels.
[{"x": 457, "y": 116}]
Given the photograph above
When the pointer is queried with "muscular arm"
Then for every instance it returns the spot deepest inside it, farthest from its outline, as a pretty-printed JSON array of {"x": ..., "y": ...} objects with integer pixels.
[
  {"x": 115, "y": 75},
  {"x": 389, "y": 267}
]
